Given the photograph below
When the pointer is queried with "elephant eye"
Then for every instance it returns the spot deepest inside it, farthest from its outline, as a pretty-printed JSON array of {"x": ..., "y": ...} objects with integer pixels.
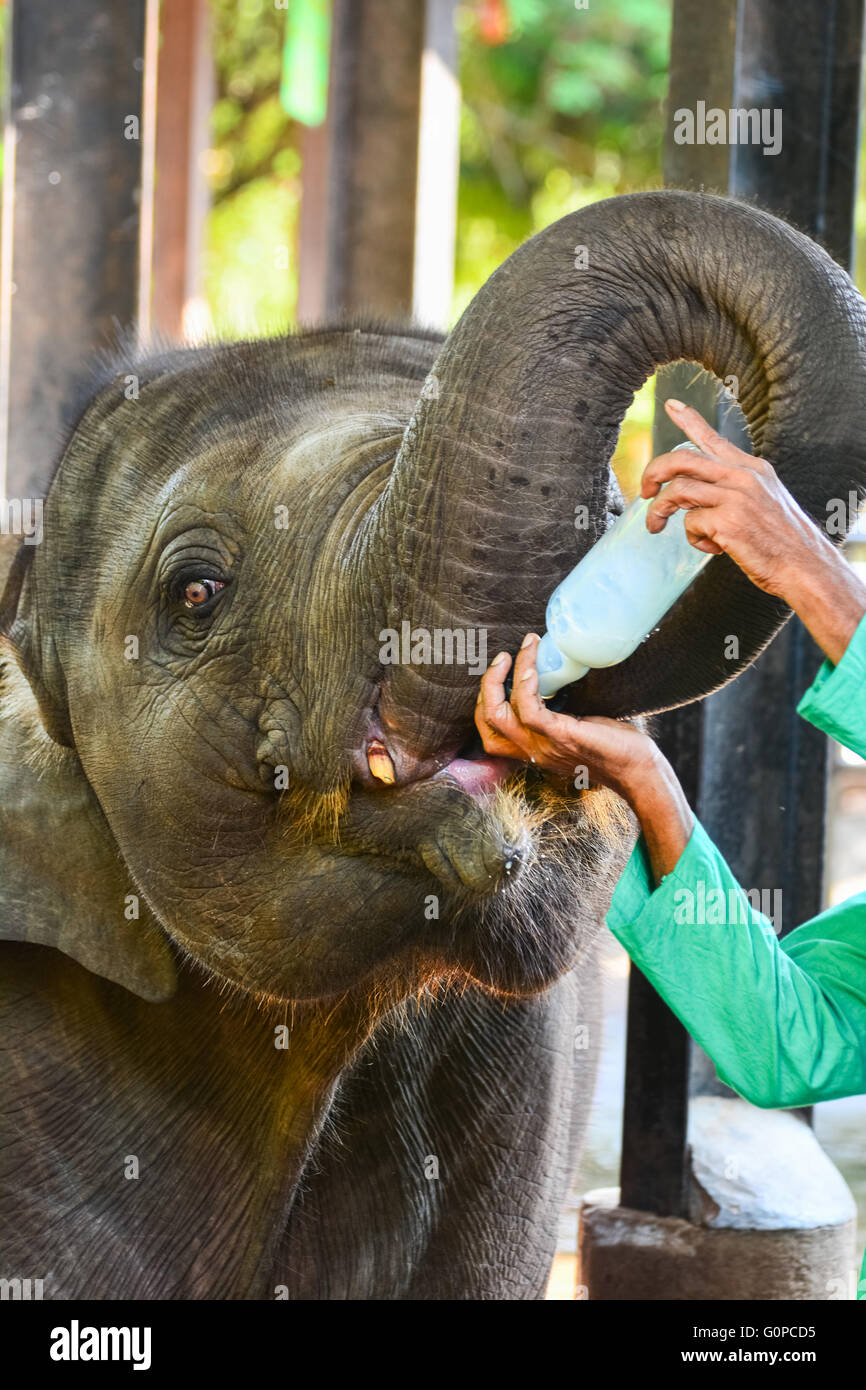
[{"x": 198, "y": 592}]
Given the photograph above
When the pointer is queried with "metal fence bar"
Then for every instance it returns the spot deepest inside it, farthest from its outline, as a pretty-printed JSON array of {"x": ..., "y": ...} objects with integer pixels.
[{"x": 654, "y": 1164}]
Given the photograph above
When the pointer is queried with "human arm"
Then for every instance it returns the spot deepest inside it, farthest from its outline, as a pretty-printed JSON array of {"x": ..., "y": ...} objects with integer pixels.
[{"x": 785, "y": 1022}]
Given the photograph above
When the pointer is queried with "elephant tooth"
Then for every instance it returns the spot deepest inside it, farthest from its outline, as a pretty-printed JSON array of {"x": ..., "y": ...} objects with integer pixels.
[{"x": 379, "y": 763}]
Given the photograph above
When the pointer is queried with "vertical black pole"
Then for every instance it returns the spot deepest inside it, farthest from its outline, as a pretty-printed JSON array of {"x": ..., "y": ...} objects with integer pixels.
[
  {"x": 73, "y": 144},
  {"x": 654, "y": 1171}
]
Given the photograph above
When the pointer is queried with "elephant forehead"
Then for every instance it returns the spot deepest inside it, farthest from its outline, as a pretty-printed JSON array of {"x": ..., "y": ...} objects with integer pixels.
[
  {"x": 250, "y": 472},
  {"x": 328, "y": 442}
]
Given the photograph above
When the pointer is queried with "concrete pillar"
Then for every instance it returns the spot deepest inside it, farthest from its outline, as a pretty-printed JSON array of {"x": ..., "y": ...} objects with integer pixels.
[{"x": 75, "y": 133}]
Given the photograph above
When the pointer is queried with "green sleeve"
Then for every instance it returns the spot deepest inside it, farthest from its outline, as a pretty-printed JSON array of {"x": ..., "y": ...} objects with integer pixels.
[
  {"x": 836, "y": 699},
  {"x": 784, "y": 1022}
]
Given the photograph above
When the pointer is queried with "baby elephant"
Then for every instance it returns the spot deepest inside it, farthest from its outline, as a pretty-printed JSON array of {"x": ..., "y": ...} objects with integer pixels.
[{"x": 298, "y": 984}]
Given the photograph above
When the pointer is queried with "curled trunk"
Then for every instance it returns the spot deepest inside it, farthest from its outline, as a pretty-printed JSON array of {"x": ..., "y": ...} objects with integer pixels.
[{"x": 516, "y": 427}]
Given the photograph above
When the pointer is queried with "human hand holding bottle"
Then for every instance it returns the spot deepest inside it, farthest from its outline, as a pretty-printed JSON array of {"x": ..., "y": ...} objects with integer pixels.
[{"x": 735, "y": 504}]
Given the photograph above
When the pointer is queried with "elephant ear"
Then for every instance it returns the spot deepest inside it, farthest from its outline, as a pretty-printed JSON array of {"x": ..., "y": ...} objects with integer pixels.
[{"x": 62, "y": 880}]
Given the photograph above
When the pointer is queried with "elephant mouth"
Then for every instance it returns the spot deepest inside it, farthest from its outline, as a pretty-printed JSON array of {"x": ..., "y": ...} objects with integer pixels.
[
  {"x": 455, "y": 813},
  {"x": 475, "y": 772},
  {"x": 478, "y": 775}
]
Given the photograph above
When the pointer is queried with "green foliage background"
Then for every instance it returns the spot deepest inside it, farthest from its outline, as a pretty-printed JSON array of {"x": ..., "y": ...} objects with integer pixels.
[{"x": 567, "y": 110}]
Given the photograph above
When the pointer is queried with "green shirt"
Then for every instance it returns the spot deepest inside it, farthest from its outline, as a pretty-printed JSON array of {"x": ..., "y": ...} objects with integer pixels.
[{"x": 784, "y": 1021}]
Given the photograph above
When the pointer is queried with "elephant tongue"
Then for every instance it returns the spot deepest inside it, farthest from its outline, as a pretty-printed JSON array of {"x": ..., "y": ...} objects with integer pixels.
[{"x": 478, "y": 775}]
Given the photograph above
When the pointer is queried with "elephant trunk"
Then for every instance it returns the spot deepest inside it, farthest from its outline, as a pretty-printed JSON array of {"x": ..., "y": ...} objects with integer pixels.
[{"x": 503, "y": 481}]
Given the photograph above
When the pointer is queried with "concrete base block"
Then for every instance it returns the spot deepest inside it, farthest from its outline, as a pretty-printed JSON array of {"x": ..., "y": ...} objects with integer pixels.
[
  {"x": 629, "y": 1254},
  {"x": 771, "y": 1218}
]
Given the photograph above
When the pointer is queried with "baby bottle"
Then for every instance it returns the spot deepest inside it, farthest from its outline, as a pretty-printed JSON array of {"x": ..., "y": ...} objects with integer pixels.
[{"x": 616, "y": 595}]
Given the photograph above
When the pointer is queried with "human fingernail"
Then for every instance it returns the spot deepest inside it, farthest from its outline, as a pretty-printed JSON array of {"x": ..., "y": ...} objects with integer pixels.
[
  {"x": 674, "y": 404},
  {"x": 530, "y": 637},
  {"x": 498, "y": 660}
]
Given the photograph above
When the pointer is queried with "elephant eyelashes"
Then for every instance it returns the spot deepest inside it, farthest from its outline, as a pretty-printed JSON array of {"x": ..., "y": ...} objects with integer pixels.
[{"x": 198, "y": 592}]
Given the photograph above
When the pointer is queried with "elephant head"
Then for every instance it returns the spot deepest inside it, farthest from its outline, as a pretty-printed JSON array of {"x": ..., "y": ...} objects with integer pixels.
[{"x": 206, "y": 737}]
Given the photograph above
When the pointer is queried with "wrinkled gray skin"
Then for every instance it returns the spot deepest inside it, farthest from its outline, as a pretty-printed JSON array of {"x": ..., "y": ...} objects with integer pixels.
[{"x": 413, "y": 1038}]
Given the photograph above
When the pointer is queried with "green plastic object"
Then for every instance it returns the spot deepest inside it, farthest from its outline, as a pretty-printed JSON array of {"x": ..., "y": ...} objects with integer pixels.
[{"x": 306, "y": 61}]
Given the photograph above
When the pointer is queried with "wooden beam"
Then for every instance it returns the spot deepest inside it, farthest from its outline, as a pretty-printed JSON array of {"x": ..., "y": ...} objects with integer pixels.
[
  {"x": 183, "y": 99},
  {"x": 379, "y": 202},
  {"x": 438, "y": 169},
  {"x": 313, "y": 224},
  {"x": 374, "y": 98}
]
